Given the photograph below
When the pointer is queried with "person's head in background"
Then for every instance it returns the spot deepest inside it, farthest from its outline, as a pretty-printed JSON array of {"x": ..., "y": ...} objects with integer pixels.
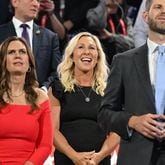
[
  {"x": 25, "y": 10},
  {"x": 84, "y": 56},
  {"x": 17, "y": 62},
  {"x": 154, "y": 16},
  {"x": 113, "y": 6}
]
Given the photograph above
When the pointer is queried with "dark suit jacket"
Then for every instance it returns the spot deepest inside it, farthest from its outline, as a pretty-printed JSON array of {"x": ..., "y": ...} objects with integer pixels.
[
  {"x": 45, "y": 50},
  {"x": 129, "y": 92},
  {"x": 5, "y": 13}
]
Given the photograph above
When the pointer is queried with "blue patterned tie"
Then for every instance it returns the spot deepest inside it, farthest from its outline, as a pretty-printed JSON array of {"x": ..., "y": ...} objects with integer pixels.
[
  {"x": 160, "y": 81},
  {"x": 25, "y": 33}
]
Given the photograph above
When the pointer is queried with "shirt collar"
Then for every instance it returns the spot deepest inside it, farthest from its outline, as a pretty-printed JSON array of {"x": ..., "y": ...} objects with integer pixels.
[
  {"x": 17, "y": 23},
  {"x": 152, "y": 46}
]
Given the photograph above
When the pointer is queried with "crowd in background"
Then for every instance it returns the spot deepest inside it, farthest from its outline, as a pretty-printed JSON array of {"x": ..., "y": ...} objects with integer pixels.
[{"x": 113, "y": 24}]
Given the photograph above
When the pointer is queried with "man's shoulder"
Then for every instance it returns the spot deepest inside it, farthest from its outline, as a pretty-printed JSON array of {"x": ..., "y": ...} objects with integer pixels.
[
  {"x": 6, "y": 30},
  {"x": 134, "y": 51},
  {"x": 6, "y": 25}
]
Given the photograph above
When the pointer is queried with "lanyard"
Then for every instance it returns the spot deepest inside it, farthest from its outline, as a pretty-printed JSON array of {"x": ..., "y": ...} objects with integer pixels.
[
  {"x": 43, "y": 20},
  {"x": 123, "y": 26}
]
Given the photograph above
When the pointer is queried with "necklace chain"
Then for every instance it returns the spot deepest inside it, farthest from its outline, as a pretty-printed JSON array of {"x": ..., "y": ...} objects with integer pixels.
[
  {"x": 87, "y": 97},
  {"x": 17, "y": 95}
]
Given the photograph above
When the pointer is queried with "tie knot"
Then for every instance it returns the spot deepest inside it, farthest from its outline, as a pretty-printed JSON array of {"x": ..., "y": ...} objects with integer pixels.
[
  {"x": 24, "y": 26},
  {"x": 161, "y": 50}
]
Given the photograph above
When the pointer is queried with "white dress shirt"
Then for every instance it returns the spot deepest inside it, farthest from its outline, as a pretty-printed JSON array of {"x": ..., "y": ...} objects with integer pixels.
[
  {"x": 152, "y": 59},
  {"x": 19, "y": 30}
]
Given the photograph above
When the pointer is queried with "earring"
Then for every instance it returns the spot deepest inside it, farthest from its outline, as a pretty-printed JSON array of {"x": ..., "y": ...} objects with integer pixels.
[{"x": 29, "y": 69}]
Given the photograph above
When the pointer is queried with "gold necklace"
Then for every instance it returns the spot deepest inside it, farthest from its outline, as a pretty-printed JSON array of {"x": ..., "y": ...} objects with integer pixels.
[
  {"x": 87, "y": 97},
  {"x": 16, "y": 95}
]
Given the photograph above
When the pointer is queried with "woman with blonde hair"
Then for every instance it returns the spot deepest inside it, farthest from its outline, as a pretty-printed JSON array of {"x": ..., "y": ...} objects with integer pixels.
[{"x": 76, "y": 98}]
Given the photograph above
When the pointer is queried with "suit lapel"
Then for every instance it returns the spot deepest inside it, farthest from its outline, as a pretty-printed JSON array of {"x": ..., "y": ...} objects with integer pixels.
[
  {"x": 36, "y": 38},
  {"x": 11, "y": 29},
  {"x": 141, "y": 63}
]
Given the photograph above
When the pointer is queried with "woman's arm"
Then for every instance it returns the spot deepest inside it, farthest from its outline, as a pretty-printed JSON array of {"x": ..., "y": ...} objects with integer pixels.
[
  {"x": 110, "y": 143},
  {"x": 44, "y": 142}
]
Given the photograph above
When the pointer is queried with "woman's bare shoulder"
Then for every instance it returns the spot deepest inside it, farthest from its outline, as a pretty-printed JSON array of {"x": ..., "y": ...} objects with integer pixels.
[{"x": 42, "y": 95}]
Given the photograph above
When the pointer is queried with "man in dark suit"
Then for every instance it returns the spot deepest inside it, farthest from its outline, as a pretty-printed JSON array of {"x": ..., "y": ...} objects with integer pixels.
[
  {"x": 129, "y": 106},
  {"x": 44, "y": 43}
]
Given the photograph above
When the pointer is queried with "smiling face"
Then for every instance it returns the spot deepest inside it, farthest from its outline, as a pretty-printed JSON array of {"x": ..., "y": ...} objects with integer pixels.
[
  {"x": 85, "y": 55},
  {"x": 26, "y": 10},
  {"x": 17, "y": 59}
]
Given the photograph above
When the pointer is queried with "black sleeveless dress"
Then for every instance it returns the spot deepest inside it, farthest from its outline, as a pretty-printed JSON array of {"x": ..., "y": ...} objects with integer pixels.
[{"x": 78, "y": 121}]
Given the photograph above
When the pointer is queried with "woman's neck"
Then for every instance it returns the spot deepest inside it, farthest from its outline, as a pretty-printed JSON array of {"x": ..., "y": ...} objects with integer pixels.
[
  {"x": 16, "y": 84},
  {"x": 84, "y": 79}
]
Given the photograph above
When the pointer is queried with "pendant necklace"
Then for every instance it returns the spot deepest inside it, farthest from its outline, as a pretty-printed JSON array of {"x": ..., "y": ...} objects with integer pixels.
[{"x": 87, "y": 97}]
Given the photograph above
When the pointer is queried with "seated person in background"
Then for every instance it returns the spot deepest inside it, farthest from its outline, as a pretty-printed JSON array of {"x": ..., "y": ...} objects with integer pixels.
[
  {"x": 25, "y": 116},
  {"x": 117, "y": 36},
  {"x": 76, "y": 99}
]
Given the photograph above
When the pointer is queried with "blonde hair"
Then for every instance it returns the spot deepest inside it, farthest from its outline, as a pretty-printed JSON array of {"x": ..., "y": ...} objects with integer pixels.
[{"x": 66, "y": 67}]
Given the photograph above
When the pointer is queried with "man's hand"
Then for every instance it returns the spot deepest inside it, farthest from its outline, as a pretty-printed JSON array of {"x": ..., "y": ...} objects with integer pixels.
[
  {"x": 47, "y": 6},
  {"x": 148, "y": 125}
]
